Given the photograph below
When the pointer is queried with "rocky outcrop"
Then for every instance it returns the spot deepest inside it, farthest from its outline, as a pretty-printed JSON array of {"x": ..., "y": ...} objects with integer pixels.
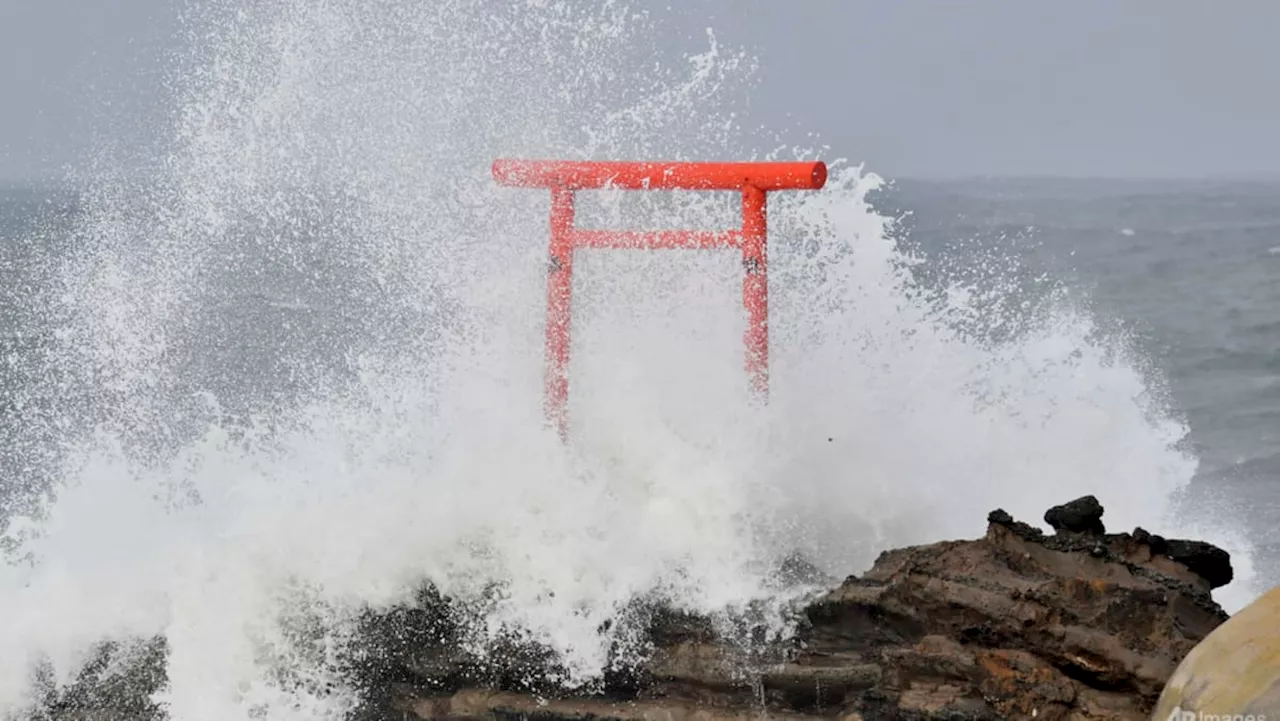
[{"x": 1016, "y": 624}]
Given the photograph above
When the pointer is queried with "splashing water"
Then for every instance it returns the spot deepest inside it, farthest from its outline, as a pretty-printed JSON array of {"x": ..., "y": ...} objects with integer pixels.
[{"x": 300, "y": 365}]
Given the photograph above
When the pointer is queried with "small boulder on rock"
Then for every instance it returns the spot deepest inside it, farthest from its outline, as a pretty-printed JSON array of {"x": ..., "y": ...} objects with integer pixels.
[{"x": 1083, "y": 515}]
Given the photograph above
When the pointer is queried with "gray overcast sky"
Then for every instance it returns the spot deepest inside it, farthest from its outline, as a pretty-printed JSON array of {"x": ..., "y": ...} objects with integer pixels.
[{"x": 913, "y": 87}]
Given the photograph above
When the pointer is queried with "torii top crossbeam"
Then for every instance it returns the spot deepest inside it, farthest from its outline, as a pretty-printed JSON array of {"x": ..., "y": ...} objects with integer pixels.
[
  {"x": 564, "y": 177},
  {"x": 592, "y": 175}
]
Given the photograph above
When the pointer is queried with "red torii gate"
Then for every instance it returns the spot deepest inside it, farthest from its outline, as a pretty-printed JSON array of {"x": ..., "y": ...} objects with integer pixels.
[{"x": 564, "y": 178}]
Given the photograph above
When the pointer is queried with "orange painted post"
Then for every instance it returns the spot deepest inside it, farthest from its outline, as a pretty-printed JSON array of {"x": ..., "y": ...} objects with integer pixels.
[
  {"x": 559, "y": 296},
  {"x": 755, "y": 286},
  {"x": 563, "y": 178}
]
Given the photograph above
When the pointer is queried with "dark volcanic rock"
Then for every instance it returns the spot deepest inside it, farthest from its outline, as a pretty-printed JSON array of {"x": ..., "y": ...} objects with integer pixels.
[
  {"x": 1203, "y": 559},
  {"x": 1009, "y": 626},
  {"x": 1157, "y": 544},
  {"x": 1013, "y": 625},
  {"x": 1025, "y": 531},
  {"x": 1083, "y": 515},
  {"x": 117, "y": 683}
]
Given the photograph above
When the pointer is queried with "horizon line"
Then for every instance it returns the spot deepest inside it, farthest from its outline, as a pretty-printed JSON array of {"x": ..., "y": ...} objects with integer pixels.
[{"x": 54, "y": 183}]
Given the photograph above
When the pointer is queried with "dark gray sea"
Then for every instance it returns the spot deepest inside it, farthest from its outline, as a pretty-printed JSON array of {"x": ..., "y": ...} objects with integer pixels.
[{"x": 1191, "y": 269}]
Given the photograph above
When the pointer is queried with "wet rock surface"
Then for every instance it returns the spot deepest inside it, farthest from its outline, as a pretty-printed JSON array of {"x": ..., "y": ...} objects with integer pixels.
[{"x": 1015, "y": 624}]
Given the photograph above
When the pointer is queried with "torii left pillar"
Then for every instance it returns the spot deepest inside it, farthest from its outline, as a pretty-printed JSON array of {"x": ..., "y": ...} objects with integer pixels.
[{"x": 564, "y": 178}]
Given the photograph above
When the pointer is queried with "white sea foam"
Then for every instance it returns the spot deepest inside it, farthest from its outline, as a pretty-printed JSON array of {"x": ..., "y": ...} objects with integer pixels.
[{"x": 371, "y": 126}]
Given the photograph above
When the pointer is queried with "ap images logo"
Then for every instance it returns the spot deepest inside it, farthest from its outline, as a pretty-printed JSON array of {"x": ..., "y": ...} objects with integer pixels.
[{"x": 1177, "y": 714}]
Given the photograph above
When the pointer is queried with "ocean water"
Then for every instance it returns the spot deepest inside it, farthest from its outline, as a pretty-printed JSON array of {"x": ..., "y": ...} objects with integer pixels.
[
  {"x": 293, "y": 370},
  {"x": 1185, "y": 269}
]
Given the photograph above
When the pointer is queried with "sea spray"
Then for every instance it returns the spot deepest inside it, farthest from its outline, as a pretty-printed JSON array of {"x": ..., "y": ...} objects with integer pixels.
[{"x": 302, "y": 367}]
